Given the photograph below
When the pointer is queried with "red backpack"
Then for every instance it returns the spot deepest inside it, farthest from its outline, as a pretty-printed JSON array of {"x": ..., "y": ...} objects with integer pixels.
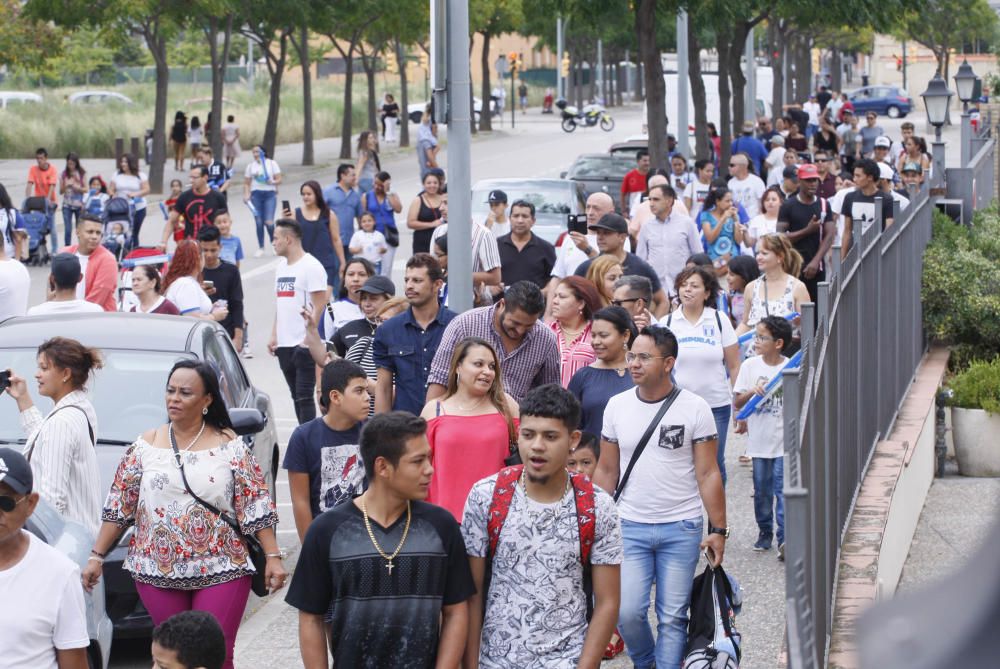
[{"x": 503, "y": 495}]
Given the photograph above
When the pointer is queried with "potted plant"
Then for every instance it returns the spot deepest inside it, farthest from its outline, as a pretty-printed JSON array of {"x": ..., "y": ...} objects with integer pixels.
[{"x": 975, "y": 418}]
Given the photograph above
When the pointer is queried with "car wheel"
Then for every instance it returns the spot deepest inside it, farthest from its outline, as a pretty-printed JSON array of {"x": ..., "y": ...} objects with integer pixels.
[{"x": 892, "y": 111}]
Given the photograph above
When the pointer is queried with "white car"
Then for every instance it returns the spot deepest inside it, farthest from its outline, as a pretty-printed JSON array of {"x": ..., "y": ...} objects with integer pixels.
[
  {"x": 18, "y": 98},
  {"x": 415, "y": 110},
  {"x": 98, "y": 97}
]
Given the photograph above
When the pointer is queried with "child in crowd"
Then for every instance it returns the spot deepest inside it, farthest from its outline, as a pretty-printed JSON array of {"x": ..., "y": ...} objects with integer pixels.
[
  {"x": 189, "y": 640},
  {"x": 323, "y": 461},
  {"x": 97, "y": 197},
  {"x": 176, "y": 188},
  {"x": 765, "y": 434},
  {"x": 368, "y": 242},
  {"x": 679, "y": 175},
  {"x": 583, "y": 459},
  {"x": 232, "y": 247}
]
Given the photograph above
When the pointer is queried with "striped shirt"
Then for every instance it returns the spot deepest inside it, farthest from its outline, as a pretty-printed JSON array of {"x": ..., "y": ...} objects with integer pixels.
[
  {"x": 575, "y": 356},
  {"x": 485, "y": 252},
  {"x": 64, "y": 459},
  {"x": 533, "y": 363}
]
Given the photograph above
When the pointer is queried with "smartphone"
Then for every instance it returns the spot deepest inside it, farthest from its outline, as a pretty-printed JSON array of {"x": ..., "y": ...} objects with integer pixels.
[
  {"x": 208, "y": 285},
  {"x": 285, "y": 206},
  {"x": 577, "y": 223},
  {"x": 4, "y": 380}
]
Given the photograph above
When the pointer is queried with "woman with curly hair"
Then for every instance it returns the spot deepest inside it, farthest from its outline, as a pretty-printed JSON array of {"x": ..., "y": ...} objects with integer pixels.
[{"x": 182, "y": 284}]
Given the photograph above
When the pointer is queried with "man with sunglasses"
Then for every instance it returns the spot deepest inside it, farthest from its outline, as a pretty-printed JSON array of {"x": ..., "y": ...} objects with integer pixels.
[
  {"x": 827, "y": 176},
  {"x": 43, "y": 624},
  {"x": 634, "y": 294}
]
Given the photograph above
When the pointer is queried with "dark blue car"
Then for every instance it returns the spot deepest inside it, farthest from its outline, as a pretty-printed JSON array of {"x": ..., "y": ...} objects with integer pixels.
[{"x": 890, "y": 101}]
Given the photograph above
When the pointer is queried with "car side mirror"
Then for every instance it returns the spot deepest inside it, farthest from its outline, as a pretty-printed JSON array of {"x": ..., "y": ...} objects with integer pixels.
[
  {"x": 247, "y": 421},
  {"x": 562, "y": 175}
]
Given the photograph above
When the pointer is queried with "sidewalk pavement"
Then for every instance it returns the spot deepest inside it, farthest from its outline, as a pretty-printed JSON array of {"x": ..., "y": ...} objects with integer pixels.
[{"x": 269, "y": 636}]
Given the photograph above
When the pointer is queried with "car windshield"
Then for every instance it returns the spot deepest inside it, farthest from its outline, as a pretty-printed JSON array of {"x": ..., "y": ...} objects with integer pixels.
[
  {"x": 626, "y": 152},
  {"x": 614, "y": 166},
  {"x": 127, "y": 393},
  {"x": 547, "y": 201}
]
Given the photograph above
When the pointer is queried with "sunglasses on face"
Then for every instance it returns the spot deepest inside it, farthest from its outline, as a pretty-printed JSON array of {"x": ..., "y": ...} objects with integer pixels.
[
  {"x": 8, "y": 504},
  {"x": 619, "y": 303}
]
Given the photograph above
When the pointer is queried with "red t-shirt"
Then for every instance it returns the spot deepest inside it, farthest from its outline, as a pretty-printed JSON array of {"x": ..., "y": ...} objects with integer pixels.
[{"x": 634, "y": 182}]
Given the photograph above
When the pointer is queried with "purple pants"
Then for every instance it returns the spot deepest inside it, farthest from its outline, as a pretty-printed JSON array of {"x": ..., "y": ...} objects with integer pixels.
[{"x": 225, "y": 601}]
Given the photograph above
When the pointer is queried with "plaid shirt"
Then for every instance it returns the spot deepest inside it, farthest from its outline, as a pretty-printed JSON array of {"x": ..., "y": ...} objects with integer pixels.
[{"x": 534, "y": 363}]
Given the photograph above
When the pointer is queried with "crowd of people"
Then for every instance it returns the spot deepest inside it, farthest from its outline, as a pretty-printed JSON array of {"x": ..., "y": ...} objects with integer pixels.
[{"x": 497, "y": 488}]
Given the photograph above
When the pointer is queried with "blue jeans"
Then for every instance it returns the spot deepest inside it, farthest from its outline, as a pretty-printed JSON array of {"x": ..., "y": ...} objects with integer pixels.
[
  {"x": 137, "y": 220},
  {"x": 722, "y": 415},
  {"x": 264, "y": 202},
  {"x": 71, "y": 216},
  {"x": 768, "y": 486},
  {"x": 366, "y": 184},
  {"x": 668, "y": 553}
]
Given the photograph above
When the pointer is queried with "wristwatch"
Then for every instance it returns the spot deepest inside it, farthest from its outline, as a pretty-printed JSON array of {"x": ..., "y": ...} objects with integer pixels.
[{"x": 724, "y": 531}]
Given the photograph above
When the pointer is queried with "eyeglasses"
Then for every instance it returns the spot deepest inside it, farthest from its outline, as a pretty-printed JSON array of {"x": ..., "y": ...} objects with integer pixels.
[
  {"x": 8, "y": 504},
  {"x": 644, "y": 358},
  {"x": 619, "y": 303}
]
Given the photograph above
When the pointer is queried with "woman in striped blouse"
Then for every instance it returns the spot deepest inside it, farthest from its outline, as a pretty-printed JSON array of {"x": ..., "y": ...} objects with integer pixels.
[
  {"x": 61, "y": 446},
  {"x": 573, "y": 305}
]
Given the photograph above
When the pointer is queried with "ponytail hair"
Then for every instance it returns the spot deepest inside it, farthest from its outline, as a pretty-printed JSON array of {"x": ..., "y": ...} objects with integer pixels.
[
  {"x": 72, "y": 355},
  {"x": 791, "y": 260}
]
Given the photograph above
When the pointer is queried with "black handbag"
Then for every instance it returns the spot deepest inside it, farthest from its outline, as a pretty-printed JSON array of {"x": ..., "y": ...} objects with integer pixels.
[
  {"x": 392, "y": 236},
  {"x": 255, "y": 552}
]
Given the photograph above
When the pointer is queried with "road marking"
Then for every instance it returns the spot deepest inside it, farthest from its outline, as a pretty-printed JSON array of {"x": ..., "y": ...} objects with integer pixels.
[{"x": 263, "y": 269}]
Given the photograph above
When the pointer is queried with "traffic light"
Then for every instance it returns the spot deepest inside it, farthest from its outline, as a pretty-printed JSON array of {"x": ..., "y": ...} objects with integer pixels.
[
  {"x": 512, "y": 62},
  {"x": 565, "y": 64}
]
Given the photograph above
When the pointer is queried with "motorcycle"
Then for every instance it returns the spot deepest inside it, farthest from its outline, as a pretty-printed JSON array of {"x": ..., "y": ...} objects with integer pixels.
[{"x": 589, "y": 116}]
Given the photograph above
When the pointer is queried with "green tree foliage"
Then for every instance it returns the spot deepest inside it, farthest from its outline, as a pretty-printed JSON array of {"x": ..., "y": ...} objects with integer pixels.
[
  {"x": 941, "y": 25},
  {"x": 489, "y": 19},
  {"x": 81, "y": 58},
  {"x": 25, "y": 41}
]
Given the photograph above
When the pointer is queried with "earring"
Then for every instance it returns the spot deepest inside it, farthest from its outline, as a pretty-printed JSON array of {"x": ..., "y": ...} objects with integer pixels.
[
  {"x": 204, "y": 412},
  {"x": 458, "y": 377}
]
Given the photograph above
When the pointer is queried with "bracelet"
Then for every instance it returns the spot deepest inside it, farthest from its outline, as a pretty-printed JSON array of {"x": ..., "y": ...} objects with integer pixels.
[
  {"x": 94, "y": 551},
  {"x": 280, "y": 555},
  {"x": 99, "y": 560}
]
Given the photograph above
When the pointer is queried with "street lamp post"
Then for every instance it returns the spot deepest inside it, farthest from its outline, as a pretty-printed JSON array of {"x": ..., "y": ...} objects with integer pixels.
[
  {"x": 965, "y": 82},
  {"x": 936, "y": 99}
]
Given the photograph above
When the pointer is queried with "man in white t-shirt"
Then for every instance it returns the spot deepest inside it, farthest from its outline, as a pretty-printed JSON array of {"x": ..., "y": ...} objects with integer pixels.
[
  {"x": 660, "y": 500},
  {"x": 15, "y": 282},
  {"x": 64, "y": 275},
  {"x": 43, "y": 619},
  {"x": 300, "y": 284},
  {"x": 747, "y": 188}
]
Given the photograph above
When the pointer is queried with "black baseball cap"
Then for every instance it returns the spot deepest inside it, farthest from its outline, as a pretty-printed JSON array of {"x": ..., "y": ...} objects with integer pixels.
[
  {"x": 612, "y": 222},
  {"x": 379, "y": 285},
  {"x": 15, "y": 471},
  {"x": 496, "y": 196},
  {"x": 790, "y": 172},
  {"x": 65, "y": 269}
]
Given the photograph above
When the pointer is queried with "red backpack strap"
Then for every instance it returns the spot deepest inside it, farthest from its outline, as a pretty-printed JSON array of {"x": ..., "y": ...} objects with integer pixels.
[
  {"x": 586, "y": 515},
  {"x": 503, "y": 494}
]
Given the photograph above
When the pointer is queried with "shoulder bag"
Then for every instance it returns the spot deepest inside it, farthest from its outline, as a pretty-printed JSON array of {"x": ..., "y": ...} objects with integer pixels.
[
  {"x": 255, "y": 552},
  {"x": 641, "y": 446}
]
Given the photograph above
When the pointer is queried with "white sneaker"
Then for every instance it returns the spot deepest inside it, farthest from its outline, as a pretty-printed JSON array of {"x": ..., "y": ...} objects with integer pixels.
[
  {"x": 259, "y": 253},
  {"x": 247, "y": 353}
]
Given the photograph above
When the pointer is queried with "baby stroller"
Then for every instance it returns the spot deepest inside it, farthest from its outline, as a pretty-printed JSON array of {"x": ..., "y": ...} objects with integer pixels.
[
  {"x": 142, "y": 255},
  {"x": 38, "y": 226},
  {"x": 117, "y": 236}
]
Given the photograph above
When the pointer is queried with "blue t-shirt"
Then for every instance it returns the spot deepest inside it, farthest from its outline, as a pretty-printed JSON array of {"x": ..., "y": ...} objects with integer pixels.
[
  {"x": 593, "y": 387},
  {"x": 232, "y": 249},
  {"x": 725, "y": 242},
  {"x": 332, "y": 459}
]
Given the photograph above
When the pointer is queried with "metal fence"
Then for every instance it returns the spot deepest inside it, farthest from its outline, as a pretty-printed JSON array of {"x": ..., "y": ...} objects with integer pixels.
[
  {"x": 862, "y": 342},
  {"x": 973, "y": 184}
]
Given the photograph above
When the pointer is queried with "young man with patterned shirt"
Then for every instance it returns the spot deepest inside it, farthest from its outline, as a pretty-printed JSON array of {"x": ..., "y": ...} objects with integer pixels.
[
  {"x": 384, "y": 577},
  {"x": 531, "y": 567}
]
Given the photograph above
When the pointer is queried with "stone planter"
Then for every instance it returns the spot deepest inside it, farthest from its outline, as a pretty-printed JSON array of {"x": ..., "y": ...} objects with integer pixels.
[{"x": 977, "y": 448}]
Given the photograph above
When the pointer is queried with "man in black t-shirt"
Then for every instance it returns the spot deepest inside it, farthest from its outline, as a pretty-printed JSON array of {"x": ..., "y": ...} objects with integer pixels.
[
  {"x": 385, "y": 575},
  {"x": 808, "y": 222},
  {"x": 858, "y": 210},
  {"x": 219, "y": 177},
  {"x": 226, "y": 282},
  {"x": 197, "y": 205}
]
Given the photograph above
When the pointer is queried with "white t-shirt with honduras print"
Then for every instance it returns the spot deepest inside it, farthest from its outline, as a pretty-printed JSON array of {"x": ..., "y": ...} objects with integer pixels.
[
  {"x": 536, "y": 611},
  {"x": 765, "y": 431}
]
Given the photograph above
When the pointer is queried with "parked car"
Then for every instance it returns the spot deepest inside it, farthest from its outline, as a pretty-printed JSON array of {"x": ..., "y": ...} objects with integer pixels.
[
  {"x": 890, "y": 101},
  {"x": 600, "y": 172},
  {"x": 415, "y": 110},
  {"x": 74, "y": 541},
  {"x": 128, "y": 395},
  {"x": 18, "y": 98},
  {"x": 98, "y": 97},
  {"x": 628, "y": 149},
  {"x": 554, "y": 200}
]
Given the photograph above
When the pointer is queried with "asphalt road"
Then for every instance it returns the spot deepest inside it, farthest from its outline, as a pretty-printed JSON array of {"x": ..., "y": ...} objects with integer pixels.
[{"x": 537, "y": 147}]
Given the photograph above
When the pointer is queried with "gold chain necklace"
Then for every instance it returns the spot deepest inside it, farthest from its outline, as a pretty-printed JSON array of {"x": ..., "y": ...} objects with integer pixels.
[
  {"x": 371, "y": 535},
  {"x": 474, "y": 406}
]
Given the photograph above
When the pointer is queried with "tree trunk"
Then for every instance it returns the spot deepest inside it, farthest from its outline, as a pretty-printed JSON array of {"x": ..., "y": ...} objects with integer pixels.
[
  {"x": 702, "y": 148},
  {"x": 836, "y": 69},
  {"x": 485, "y": 118},
  {"x": 404, "y": 116},
  {"x": 157, "y": 45},
  {"x": 302, "y": 46},
  {"x": 345, "y": 128},
  {"x": 220, "y": 61},
  {"x": 276, "y": 68},
  {"x": 803, "y": 70},
  {"x": 656, "y": 107},
  {"x": 723, "y": 46},
  {"x": 775, "y": 41},
  {"x": 738, "y": 78},
  {"x": 369, "y": 61},
  {"x": 619, "y": 84}
]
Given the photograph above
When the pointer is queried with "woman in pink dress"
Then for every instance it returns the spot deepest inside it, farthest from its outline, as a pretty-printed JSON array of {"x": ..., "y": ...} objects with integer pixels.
[
  {"x": 573, "y": 305},
  {"x": 473, "y": 428}
]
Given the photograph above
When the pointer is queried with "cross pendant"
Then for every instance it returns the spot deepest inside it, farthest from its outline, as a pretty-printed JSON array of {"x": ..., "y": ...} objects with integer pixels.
[{"x": 389, "y": 566}]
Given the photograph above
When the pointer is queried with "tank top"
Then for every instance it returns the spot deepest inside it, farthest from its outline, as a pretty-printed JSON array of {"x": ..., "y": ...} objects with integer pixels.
[
  {"x": 767, "y": 301},
  {"x": 316, "y": 239},
  {"x": 427, "y": 214},
  {"x": 371, "y": 166}
]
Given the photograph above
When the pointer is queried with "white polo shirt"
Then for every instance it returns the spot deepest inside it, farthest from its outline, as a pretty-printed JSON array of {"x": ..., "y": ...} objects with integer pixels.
[{"x": 700, "y": 365}]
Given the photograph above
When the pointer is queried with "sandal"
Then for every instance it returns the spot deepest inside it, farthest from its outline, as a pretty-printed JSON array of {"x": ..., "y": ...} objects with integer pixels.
[
  {"x": 615, "y": 646},
  {"x": 745, "y": 459}
]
